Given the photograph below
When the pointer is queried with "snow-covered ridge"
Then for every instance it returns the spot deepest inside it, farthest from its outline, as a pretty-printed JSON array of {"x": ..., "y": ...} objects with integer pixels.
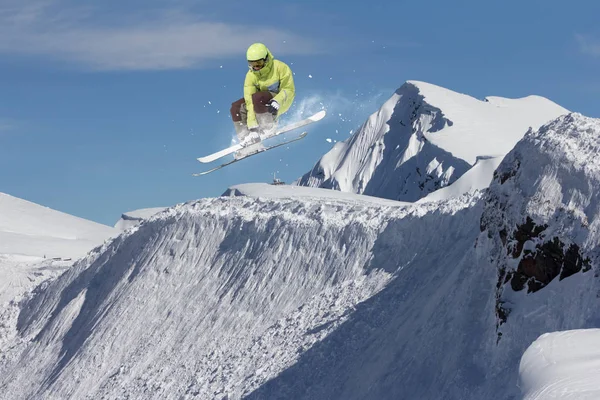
[
  {"x": 37, "y": 244},
  {"x": 307, "y": 293},
  {"x": 133, "y": 218},
  {"x": 29, "y": 229},
  {"x": 476, "y": 178},
  {"x": 216, "y": 282},
  {"x": 266, "y": 191},
  {"x": 542, "y": 210},
  {"x": 424, "y": 138}
]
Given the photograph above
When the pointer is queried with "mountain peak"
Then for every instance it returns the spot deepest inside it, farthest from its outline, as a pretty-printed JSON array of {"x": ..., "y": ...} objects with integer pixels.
[
  {"x": 540, "y": 215},
  {"x": 424, "y": 138}
]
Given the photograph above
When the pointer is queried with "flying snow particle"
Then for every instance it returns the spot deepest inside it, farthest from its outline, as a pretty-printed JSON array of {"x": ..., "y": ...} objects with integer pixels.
[
  {"x": 328, "y": 140},
  {"x": 310, "y": 76}
]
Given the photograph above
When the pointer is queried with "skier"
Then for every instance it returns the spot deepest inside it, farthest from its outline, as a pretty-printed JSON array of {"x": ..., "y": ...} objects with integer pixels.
[{"x": 268, "y": 93}]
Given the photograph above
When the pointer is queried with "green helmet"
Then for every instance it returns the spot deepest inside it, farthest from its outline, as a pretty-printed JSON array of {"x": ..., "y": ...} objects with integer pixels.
[{"x": 257, "y": 51}]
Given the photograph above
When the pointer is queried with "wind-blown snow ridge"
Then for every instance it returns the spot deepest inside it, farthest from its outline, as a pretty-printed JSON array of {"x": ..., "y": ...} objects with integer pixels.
[
  {"x": 216, "y": 282},
  {"x": 424, "y": 138},
  {"x": 263, "y": 190},
  {"x": 133, "y": 218}
]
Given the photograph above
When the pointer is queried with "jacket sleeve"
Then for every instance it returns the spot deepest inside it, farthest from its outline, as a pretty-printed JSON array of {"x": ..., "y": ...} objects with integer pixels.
[
  {"x": 287, "y": 89},
  {"x": 249, "y": 90}
]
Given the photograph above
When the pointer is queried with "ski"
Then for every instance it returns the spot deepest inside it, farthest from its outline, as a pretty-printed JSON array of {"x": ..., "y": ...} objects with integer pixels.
[
  {"x": 301, "y": 136},
  {"x": 215, "y": 156}
]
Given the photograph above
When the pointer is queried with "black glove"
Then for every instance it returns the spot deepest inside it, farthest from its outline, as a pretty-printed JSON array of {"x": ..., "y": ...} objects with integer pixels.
[{"x": 273, "y": 106}]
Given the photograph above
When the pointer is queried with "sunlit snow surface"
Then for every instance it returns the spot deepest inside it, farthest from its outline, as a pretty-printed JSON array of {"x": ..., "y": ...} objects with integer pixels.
[
  {"x": 133, "y": 218},
  {"x": 30, "y": 229},
  {"x": 425, "y": 137},
  {"x": 37, "y": 244},
  {"x": 285, "y": 292},
  {"x": 562, "y": 365}
]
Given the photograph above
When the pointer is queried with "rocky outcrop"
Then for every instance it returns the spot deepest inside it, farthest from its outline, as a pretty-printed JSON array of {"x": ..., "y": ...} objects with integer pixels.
[
  {"x": 541, "y": 214},
  {"x": 549, "y": 259}
]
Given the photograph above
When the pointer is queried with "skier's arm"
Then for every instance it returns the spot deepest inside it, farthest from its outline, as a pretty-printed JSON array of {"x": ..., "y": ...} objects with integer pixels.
[
  {"x": 249, "y": 90},
  {"x": 287, "y": 89}
]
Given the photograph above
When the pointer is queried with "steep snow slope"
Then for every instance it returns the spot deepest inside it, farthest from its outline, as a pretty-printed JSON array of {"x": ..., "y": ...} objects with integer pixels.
[
  {"x": 424, "y": 138},
  {"x": 293, "y": 294},
  {"x": 18, "y": 274},
  {"x": 428, "y": 335},
  {"x": 28, "y": 232},
  {"x": 216, "y": 296},
  {"x": 476, "y": 178},
  {"x": 541, "y": 227},
  {"x": 133, "y": 218},
  {"x": 30, "y": 229}
]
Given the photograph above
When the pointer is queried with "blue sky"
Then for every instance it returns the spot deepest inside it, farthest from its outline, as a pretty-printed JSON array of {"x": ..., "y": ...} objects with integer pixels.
[{"x": 104, "y": 107}]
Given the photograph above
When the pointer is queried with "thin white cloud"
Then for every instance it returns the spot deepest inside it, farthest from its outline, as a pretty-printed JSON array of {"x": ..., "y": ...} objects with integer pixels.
[
  {"x": 588, "y": 46},
  {"x": 6, "y": 125},
  {"x": 168, "y": 39}
]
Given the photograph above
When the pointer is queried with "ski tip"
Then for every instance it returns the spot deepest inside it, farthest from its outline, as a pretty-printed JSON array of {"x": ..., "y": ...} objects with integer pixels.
[
  {"x": 206, "y": 159},
  {"x": 318, "y": 116},
  {"x": 204, "y": 172}
]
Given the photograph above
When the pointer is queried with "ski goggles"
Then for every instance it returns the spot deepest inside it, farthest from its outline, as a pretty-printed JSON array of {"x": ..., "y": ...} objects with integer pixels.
[{"x": 257, "y": 65}]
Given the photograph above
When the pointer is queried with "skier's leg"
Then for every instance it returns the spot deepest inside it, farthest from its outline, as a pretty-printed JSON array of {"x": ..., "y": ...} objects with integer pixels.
[
  {"x": 265, "y": 119},
  {"x": 260, "y": 99},
  {"x": 239, "y": 116}
]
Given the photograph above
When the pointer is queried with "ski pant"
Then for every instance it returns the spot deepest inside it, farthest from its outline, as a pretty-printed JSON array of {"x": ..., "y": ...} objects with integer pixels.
[{"x": 239, "y": 112}]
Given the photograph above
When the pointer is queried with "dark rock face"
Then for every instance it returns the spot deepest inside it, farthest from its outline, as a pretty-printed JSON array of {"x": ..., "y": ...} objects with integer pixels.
[
  {"x": 540, "y": 262},
  {"x": 538, "y": 267}
]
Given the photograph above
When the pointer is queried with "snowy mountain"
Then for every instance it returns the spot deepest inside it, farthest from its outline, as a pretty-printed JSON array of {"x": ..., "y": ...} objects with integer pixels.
[
  {"x": 306, "y": 293},
  {"x": 540, "y": 226},
  {"x": 424, "y": 138},
  {"x": 37, "y": 244},
  {"x": 134, "y": 218},
  {"x": 541, "y": 222},
  {"x": 29, "y": 229}
]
